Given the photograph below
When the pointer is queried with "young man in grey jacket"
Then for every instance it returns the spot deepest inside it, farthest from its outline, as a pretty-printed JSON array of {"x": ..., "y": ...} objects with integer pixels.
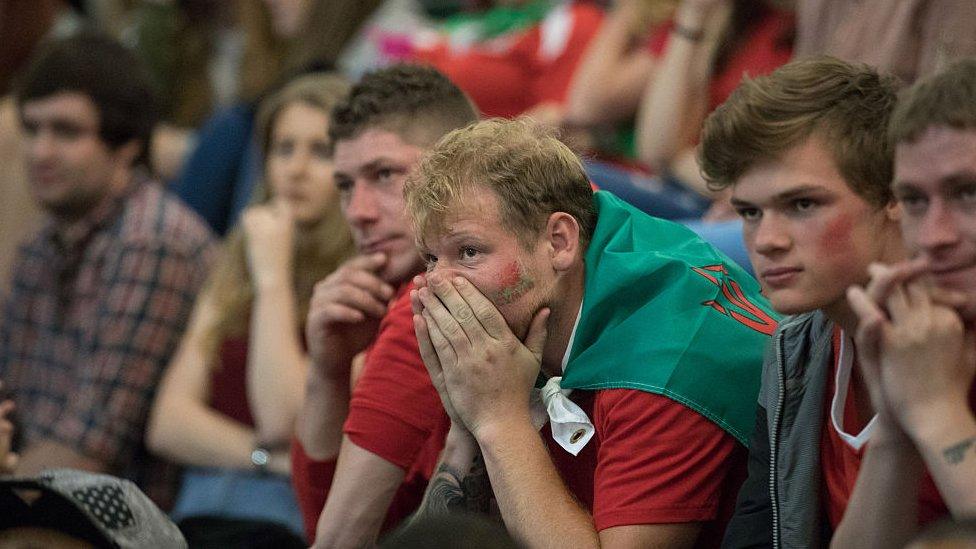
[{"x": 805, "y": 153}]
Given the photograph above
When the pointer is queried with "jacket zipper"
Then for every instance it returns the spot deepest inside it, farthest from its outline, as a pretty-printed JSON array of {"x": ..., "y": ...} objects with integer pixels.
[{"x": 774, "y": 438}]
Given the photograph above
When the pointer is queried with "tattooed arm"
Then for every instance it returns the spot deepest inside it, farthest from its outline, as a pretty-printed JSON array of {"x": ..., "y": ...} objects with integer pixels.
[
  {"x": 925, "y": 363},
  {"x": 460, "y": 482},
  {"x": 948, "y": 446}
]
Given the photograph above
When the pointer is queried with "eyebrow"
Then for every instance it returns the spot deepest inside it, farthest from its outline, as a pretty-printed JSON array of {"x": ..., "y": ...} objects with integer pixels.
[
  {"x": 963, "y": 177},
  {"x": 783, "y": 196}
]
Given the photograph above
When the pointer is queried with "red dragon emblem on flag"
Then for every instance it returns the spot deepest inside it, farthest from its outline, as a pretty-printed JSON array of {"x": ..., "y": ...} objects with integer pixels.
[{"x": 756, "y": 318}]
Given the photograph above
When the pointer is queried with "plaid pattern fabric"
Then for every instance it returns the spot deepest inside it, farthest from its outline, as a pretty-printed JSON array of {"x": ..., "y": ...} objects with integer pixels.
[{"x": 93, "y": 318}]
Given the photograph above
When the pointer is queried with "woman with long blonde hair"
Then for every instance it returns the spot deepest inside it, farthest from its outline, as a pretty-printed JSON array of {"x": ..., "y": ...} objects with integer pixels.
[{"x": 227, "y": 404}]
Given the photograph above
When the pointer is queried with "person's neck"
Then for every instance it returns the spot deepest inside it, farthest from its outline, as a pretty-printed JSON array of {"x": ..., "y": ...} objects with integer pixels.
[
  {"x": 562, "y": 319},
  {"x": 69, "y": 224}
]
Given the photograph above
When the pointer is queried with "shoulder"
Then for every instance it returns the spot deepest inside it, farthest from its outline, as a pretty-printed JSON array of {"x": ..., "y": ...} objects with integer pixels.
[
  {"x": 810, "y": 325},
  {"x": 155, "y": 219},
  {"x": 799, "y": 341},
  {"x": 619, "y": 409}
]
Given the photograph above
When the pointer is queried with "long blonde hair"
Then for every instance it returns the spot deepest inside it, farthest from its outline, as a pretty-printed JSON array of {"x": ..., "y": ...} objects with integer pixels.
[{"x": 318, "y": 249}]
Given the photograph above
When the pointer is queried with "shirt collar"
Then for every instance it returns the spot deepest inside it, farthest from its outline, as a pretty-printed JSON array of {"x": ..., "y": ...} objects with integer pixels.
[{"x": 69, "y": 237}]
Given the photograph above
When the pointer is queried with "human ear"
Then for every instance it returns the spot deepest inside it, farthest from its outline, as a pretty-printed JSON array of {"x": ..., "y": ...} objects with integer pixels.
[
  {"x": 127, "y": 153},
  {"x": 893, "y": 211},
  {"x": 563, "y": 237}
]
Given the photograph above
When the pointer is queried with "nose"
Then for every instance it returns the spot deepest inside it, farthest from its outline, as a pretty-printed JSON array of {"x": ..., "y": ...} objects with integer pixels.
[
  {"x": 938, "y": 228},
  {"x": 297, "y": 165},
  {"x": 361, "y": 204},
  {"x": 444, "y": 268},
  {"x": 40, "y": 146},
  {"x": 770, "y": 235}
]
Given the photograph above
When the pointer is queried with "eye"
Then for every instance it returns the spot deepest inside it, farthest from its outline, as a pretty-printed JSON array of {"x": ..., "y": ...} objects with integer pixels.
[
  {"x": 913, "y": 203},
  {"x": 321, "y": 150},
  {"x": 467, "y": 253},
  {"x": 803, "y": 205},
  {"x": 384, "y": 174},
  {"x": 966, "y": 194},
  {"x": 748, "y": 213},
  {"x": 430, "y": 260},
  {"x": 343, "y": 184},
  {"x": 283, "y": 148}
]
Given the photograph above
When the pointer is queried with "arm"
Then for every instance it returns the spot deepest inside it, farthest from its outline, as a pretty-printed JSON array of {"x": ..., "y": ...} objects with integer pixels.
[
  {"x": 487, "y": 383},
  {"x": 926, "y": 363},
  {"x": 182, "y": 426},
  {"x": 343, "y": 318},
  {"x": 8, "y": 459},
  {"x": 884, "y": 503},
  {"x": 352, "y": 516},
  {"x": 276, "y": 363},
  {"x": 946, "y": 438},
  {"x": 882, "y": 509},
  {"x": 608, "y": 82},
  {"x": 460, "y": 482},
  {"x": 674, "y": 103},
  {"x": 394, "y": 423}
]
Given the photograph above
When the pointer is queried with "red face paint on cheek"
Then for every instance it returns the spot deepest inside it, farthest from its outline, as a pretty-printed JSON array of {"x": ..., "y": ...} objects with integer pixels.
[
  {"x": 836, "y": 236},
  {"x": 510, "y": 275},
  {"x": 514, "y": 283}
]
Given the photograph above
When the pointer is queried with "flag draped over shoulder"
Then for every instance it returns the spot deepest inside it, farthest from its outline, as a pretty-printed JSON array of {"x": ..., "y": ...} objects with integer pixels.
[{"x": 665, "y": 312}]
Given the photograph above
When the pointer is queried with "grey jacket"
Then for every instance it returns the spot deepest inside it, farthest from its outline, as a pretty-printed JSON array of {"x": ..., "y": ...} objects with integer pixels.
[{"x": 779, "y": 504}]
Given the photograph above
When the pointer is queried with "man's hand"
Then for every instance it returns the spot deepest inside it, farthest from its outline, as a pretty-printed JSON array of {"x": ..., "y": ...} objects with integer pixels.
[
  {"x": 429, "y": 355},
  {"x": 345, "y": 312},
  {"x": 914, "y": 353},
  {"x": 269, "y": 230},
  {"x": 928, "y": 360},
  {"x": 487, "y": 373},
  {"x": 869, "y": 304}
]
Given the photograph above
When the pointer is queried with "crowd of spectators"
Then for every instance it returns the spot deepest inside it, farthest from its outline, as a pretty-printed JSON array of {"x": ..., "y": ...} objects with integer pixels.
[{"x": 488, "y": 273}]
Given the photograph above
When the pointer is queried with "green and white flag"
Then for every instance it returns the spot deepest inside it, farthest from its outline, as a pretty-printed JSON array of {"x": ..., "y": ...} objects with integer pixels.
[{"x": 665, "y": 312}]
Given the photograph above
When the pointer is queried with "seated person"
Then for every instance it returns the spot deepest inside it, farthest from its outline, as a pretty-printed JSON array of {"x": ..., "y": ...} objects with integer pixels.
[
  {"x": 102, "y": 293},
  {"x": 228, "y": 401},
  {"x": 657, "y": 336},
  {"x": 810, "y": 181},
  {"x": 916, "y": 338},
  {"x": 362, "y": 458},
  {"x": 513, "y": 57}
]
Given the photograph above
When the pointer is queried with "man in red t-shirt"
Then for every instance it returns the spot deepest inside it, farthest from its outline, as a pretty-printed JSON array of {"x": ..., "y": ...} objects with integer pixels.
[
  {"x": 916, "y": 335},
  {"x": 366, "y": 457},
  {"x": 516, "y": 243},
  {"x": 804, "y": 152}
]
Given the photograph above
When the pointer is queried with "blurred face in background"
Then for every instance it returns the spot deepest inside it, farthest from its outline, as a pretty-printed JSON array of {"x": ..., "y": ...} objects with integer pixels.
[
  {"x": 298, "y": 164},
  {"x": 70, "y": 168},
  {"x": 287, "y": 16}
]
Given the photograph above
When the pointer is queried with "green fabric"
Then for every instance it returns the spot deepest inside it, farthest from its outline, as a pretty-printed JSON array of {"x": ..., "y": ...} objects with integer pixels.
[
  {"x": 499, "y": 20},
  {"x": 666, "y": 313}
]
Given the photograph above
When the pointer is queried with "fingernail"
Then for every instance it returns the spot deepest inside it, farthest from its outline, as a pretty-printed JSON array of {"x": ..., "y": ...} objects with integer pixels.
[{"x": 459, "y": 281}]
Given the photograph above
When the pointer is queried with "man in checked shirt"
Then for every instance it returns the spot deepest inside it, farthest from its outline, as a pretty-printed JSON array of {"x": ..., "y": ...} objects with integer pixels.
[{"x": 102, "y": 292}]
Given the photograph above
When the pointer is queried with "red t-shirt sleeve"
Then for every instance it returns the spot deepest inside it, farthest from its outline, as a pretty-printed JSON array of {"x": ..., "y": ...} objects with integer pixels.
[
  {"x": 658, "y": 461},
  {"x": 394, "y": 407},
  {"x": 311, "y": 480}
]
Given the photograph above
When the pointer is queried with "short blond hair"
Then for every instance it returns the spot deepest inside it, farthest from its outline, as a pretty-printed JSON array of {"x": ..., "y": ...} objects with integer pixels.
[{"x": 529, "y": 169}]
